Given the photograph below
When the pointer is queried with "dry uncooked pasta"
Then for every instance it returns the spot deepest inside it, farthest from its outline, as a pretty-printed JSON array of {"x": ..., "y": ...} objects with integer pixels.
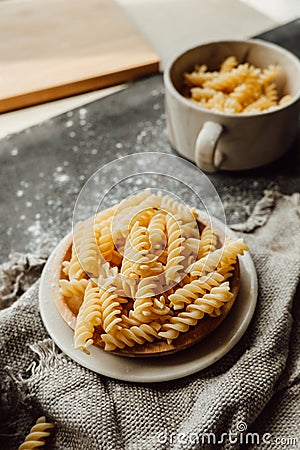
[
  {"x": 155, "y": 276},
  {"x": 37, "y": 435},
  {"x": 206, "y": 304},
  {"x": 88, "y": 318},
  {"x": 235, "y": 88}
]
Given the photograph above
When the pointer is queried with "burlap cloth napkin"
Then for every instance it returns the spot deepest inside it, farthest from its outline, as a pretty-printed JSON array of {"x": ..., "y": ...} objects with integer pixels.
[{"x": 255, "y": 385}]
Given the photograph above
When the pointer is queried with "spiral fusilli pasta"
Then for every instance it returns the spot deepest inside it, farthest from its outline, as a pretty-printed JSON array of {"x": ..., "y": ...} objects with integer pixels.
[
  {"x": 175, "y": 249},
  {"x": 143, "y": 217},
  {"x": 125, "y": 217},
  {"x": 235, "y": 88},
  {"x": 74, "y": 269},
  {"x": 191, "y": 291},
  {"x": 156, "y": 230},
  {"x": 151, "y": 277},
  {"x": 228, "y": 64},
  {"x": 131, "y": 336},
  {"x": 111, "y": 309},
  {"x": 195, "y": 311},
  {"x": 74, "y": 287},
  {"x": 213, "y": 260},
  {"x": 86, "y": 247},
  {"x": 146, "y": 291},
  {"x": 37, "y": 435},
  {"x": 106, "y": 244},
  {"x": 208, "y": 242},
  {"x": 136, "y": 247},
  {"x": 178, "y": 210},
  {"x": 88, "y": 318}
]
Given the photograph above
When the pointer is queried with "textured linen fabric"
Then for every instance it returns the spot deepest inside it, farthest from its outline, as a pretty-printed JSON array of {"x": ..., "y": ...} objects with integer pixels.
[{"x": 255, "y": 385}]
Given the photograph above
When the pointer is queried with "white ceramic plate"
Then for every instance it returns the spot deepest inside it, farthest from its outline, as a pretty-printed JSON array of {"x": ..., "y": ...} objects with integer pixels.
[{"x": 164, "y": 368}]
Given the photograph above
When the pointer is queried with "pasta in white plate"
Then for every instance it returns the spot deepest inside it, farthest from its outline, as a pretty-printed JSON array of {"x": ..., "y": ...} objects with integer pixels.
[{"x": 160, "y": 273}]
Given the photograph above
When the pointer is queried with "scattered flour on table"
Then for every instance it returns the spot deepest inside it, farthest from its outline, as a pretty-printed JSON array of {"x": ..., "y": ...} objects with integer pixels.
[
  {"x": 61, "y": 178},
  {"x": 82, "y": 113},
  {"x": 40, "y": 238},
  {"x": 54, "y": 218}
]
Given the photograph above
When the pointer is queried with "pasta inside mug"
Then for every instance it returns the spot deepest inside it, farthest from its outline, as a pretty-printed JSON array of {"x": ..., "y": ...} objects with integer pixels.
[
  {"x": 223, "y": 136},
  {"x": 256, "y": 53}
]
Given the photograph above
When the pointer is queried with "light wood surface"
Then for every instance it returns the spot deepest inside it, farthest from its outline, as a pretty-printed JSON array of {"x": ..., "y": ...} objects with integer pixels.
[
  {"x": 68, "y": 309},
  {"x": 51, "y": 49}
]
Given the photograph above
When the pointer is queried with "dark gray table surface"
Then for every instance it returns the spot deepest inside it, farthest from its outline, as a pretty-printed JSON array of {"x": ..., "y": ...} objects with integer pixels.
[{"x": 44, "y": 167}]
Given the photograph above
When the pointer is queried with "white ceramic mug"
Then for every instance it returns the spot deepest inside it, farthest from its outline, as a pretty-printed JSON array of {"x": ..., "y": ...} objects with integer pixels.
[{"x": 216, "y": 140}]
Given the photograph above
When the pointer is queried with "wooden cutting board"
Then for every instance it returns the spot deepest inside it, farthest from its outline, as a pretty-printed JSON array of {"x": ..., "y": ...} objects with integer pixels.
[{"x": 51, "y": 49}]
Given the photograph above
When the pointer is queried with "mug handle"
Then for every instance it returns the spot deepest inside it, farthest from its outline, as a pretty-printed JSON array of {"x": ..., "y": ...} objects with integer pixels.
[{"x": 205, "y": 147}]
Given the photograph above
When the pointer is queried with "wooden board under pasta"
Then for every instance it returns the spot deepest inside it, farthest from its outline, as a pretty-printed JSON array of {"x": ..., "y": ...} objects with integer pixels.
[{"x": 51, "y": 49}]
